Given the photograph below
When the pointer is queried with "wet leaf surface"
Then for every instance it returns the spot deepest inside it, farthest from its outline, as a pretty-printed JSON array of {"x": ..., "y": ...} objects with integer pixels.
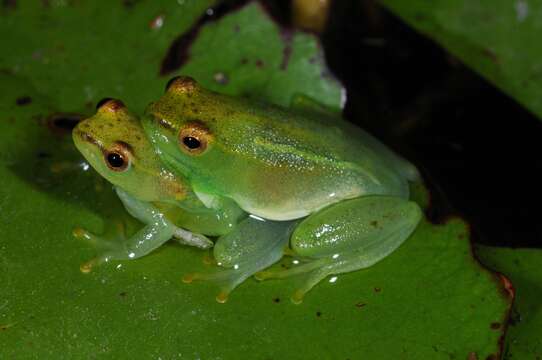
[
  {"x": 430, "y": 299},
  {"x": 522, "y": 266}
]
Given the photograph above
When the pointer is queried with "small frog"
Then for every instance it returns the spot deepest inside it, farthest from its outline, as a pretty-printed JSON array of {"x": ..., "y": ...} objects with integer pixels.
[
  {"x": 285, "y": 165},
  {"x": 114, "y": 143}
]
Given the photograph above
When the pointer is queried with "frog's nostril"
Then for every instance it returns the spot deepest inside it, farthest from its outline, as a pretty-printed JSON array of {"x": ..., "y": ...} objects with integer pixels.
[
  {"x": 181, "y": 84},
  {"x": 110, "y": 104},
  {"x": 163, "y": 123}
]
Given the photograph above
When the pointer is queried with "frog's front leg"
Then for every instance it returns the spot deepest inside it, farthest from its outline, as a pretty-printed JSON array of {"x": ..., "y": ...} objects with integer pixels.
[
  {"x": 351, "y": 235},
  {"x": 157, "y": 222},
  {"x": 252, "y": 246},
  {"x": 157, "y": 231}
]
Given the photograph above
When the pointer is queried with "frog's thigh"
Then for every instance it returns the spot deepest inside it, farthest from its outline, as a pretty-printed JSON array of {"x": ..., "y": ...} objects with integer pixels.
[{"x": 364, "y": 229}]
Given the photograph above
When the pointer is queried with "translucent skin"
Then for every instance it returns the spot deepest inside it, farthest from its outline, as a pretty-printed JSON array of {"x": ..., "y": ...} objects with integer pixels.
[
  {"x": 114, "y": 129},
  {"x": 223, "y": 154},
  {"x": 275, "y": 163},
  {"x": 349, "y": 191},
  {"x": 166, "y": 206}
]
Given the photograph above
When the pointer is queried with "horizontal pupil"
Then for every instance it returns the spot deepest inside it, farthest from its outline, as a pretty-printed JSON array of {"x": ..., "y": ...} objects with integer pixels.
[
  {"x": 115, "y": 160},
  {"x": 191, "y": 142}
]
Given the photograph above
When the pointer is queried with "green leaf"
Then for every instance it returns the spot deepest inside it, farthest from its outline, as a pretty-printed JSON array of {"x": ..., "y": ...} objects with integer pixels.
[
  {"x": 83, "y": 51},
  {"x": 522, "y": 266},
  {"x": 494, "y": 38},
  {"x": 255, "y": 58},
  {"x": 428, "y": 300}
]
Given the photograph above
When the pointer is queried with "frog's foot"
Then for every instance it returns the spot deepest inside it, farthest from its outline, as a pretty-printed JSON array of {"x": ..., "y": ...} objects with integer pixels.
[
  {"x": 349, "y": 236},
  {"x": 251, "y": 247},
  {"x": 314, "y": 271},
  {"x": 226, "y": 279},
  {"x": 118, "y": 246},
  {"x": 318, "y": 269},
  {"x": 108, "y": 245},
  {"x": 99, "y": 240}
]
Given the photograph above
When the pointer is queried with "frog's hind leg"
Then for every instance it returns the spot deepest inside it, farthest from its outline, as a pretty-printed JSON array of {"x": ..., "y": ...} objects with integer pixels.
[
  {"x": 228, "y": 279},
  {"x": 252, "y": 246},
  {"x": 348, "y": 236}
]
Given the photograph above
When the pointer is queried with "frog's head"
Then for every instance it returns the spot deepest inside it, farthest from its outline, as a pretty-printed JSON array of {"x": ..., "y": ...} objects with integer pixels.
[
  {"x": 200, "y": 132},
  {"x": 114, "y": 144}
]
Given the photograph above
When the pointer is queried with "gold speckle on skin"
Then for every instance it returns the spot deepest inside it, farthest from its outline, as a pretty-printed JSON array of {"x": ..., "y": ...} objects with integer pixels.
[
  {"x": 182, "y": 85},
  {"x": 112, "y": 105}
]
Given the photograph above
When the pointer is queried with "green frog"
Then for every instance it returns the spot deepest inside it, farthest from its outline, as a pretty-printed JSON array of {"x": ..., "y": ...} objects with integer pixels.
[
  {"x": 113, "y": 142},
  {"x": 347, "y": 192}
]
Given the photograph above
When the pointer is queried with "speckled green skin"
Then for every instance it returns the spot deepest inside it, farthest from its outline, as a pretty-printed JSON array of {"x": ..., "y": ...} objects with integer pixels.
[
  {"x": 166, "y": 205},
  {"x": 275, "y": 163},
  {"x": 283, "y": 165},
  {"x": 161, "y": 200},
  {"x": 146, "y": 178}
]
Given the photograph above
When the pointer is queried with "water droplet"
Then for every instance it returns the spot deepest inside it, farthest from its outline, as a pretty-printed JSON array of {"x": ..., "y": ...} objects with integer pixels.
[{"x": 157, "y": 22}]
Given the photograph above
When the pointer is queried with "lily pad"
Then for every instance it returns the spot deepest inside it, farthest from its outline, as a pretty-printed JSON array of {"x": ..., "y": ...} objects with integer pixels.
[
  {"x": 430, "y": 299},
  {"x": 247, "y": 62},
  {"x": 83, "y": 51},
  {"x": 522, "y": 266},
  {"x": 493, "y": 38}
]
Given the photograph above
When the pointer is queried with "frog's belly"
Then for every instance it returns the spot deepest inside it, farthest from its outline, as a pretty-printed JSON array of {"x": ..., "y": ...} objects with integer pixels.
[
  {"x": 288, "y": 197},
  {"x": 295, "y": 208}
]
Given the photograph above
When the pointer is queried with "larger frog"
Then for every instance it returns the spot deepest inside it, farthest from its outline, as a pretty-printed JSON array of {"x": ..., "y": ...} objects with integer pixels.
[{"x": 282, "y": 165}]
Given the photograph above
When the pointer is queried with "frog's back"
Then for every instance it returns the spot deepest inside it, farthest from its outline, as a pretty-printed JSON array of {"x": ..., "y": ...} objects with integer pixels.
[
  {"x": 327, "y": 137},
  {"x": 347, "y": 142},
  {"x": 309, "y": 162}
]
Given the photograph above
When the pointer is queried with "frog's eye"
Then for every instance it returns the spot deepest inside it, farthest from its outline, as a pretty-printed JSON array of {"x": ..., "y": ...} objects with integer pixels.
[
  {"x": 194, "y": 138},
  {"x": 118, "y": 157}
]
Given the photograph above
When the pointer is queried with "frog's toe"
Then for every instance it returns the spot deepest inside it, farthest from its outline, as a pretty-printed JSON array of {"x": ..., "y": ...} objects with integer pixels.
[
  {"x": 226, "y": 279},
  {"x": 83, "y": 234},
  {"x": 188, "y": 278},
  {"x": 109, "y": 248},
  {"x": 222, "y": 296},
  {"x": 226, "y": 283},
  {"x": 295, "y": 270},
  {"x": 88, "y": 266},
  {"x": 297, "y": 297},
  {"x": 109, "y": 242},
  {"x": 208, "y": 260},
  {"x": 311, "y": 274},
  {"x": 311, "y": 280}
]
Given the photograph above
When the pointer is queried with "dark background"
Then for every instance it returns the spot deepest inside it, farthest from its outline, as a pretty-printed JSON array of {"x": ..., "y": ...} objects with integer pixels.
[{"x": 476, "y": 147}]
